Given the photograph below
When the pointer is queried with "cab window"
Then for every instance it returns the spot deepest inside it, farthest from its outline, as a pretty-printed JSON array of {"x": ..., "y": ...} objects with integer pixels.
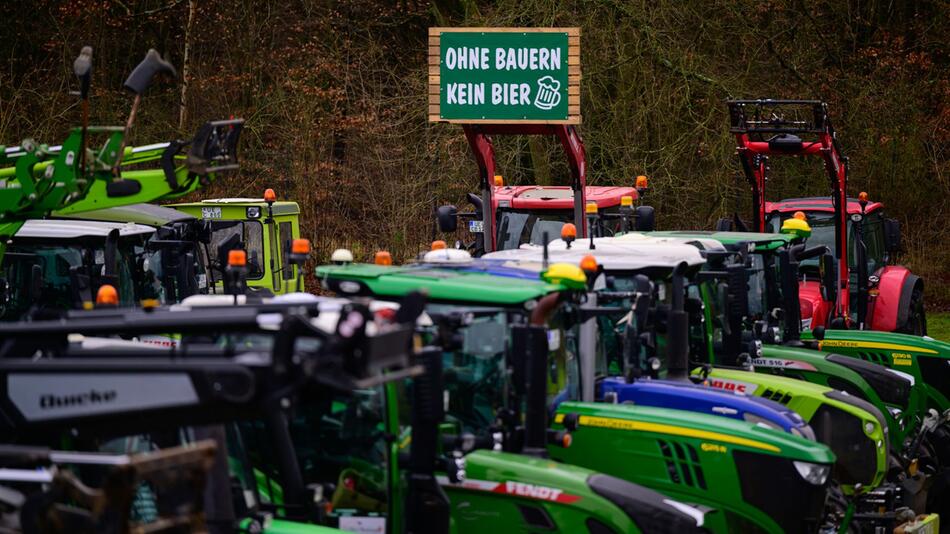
[
  {"x": 246, "y": 235},
  {"x": 287, "y": 240},
  {"x": 873, "y": 232}
]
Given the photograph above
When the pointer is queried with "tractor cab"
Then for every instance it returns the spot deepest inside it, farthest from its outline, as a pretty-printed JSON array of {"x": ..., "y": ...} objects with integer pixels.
[
  {"x": 264, "y": 228},
  {"x": 862, "y": 289},
  {"x": 873, "y": 242},
  {"x": 525, "y": 213},
  {"x": 62, "y": 264},
  {"x": 506, "y": 217},
  {"x": 172, "y": 254}
]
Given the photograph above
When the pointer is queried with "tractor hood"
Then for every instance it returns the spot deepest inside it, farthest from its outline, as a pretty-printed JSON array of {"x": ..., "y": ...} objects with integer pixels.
[
  {"x": 872, "y": 341},
  {"x": 441, "y": 284}
]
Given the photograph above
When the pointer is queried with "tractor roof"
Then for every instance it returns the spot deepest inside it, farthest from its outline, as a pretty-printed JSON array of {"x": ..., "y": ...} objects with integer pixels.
[
  {"x": 148, "y": 214},
  {"x": 763, "y": 241},
  {"x": 655, "y": 256},
  {"x": 64, "y": 229},
  {"x": 440, "y": 284},
  {"x": 281, "y": 207},
  {"x": 817, "y": 204},
  {"x": 558, "y": 197}
]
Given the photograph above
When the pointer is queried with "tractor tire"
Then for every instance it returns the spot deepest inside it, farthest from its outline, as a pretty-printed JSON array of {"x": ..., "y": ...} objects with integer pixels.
[
  {"x": 916, "y": 318},
  {"x": 938, "y": 496},
  {"x": 836, "y": 509}
]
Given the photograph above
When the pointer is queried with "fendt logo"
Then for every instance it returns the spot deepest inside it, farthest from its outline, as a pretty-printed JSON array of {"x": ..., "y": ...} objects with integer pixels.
[
  {"x": 535, "y": 492},
  {"x": 50, "y": 401}
]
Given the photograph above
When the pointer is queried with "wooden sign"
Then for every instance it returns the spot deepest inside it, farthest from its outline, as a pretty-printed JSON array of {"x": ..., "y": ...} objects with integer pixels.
[{"x": 505, "y": 75}]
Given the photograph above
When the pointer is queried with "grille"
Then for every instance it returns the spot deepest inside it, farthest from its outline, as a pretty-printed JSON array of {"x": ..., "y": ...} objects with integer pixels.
[
  {"x": 682, "y": 464},
  {"x": 777, "y": 395},
  {"x": 874, "y": 357}
]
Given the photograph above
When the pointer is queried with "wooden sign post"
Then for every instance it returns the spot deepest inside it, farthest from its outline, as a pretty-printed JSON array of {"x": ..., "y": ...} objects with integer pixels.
[{"x": 505, "y": 75}]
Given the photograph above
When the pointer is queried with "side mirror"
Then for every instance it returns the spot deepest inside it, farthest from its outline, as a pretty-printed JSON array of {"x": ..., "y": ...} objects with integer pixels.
[
  {"x": 829, "y": 278},
  {"x": 892, "y": 235},
  {"x": 646, "y": 219},
  {"x": 447, "y": 217}
]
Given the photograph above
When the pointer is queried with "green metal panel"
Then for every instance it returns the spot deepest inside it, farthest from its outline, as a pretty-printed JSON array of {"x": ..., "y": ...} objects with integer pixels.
[
  {"x": 440, "y": 284},
  {"x": 498, "y": 483},
  {"x": 924, "y": 358},
  {"x": 686, "y": 455}
]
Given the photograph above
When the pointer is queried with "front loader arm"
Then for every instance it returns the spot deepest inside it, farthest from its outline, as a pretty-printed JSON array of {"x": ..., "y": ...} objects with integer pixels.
[{"x": 212, "y": 152}]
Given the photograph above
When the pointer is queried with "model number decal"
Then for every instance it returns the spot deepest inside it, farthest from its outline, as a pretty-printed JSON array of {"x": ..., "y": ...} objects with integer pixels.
[
  {"x": 782, "y": 364},
  {"x": 713, "y": 447},
  {"x": 903, "y": 359}
]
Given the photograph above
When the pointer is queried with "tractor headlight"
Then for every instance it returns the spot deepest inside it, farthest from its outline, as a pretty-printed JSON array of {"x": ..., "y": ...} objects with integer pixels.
[
  {"x": 816, "y": 474},
  {"x": 253, "y": 212}
]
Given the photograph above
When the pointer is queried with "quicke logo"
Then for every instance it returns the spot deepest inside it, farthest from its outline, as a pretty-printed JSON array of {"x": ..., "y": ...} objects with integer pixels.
[{"x": 52, "y": 401}]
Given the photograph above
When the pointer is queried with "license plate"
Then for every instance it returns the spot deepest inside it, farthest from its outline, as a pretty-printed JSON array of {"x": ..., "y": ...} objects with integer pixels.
[
  {"x": 476, "y": 227},
  {"x": 210, "y": 213}
]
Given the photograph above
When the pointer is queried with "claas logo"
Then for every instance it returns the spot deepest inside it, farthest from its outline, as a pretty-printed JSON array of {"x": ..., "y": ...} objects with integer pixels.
[{"x": 727, "y": 385}]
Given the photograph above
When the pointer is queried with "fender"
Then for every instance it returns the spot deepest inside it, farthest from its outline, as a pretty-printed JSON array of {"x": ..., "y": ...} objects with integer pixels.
[
  {"x": 890, "y": 309},
  {"x": 814, "y": 309}
]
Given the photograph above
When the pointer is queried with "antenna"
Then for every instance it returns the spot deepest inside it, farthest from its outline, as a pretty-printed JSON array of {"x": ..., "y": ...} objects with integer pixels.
[{"x": 544, "y": 257}]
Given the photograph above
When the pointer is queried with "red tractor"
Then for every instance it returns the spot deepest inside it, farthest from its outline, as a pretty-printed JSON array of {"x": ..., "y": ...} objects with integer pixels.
[
  {"x": 861, "y": 242},
  {"x": 523, "y": 214}
]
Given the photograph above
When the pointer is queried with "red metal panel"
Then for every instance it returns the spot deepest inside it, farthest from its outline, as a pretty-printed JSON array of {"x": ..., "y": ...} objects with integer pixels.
[{"x": 883, "y": 308}]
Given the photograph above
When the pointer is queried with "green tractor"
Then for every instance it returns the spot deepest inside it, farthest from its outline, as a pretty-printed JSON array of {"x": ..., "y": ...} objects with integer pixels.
[
  {"x": 770, "y": 261},
  {"x": 43, "y": 181},
  {"x": 488, "y": 362},
  {"x": 265, "y": 228},
  {"x": 855, "y": 430}
]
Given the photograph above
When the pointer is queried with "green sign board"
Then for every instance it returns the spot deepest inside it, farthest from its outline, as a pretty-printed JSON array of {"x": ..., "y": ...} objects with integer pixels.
[{"x": 503, "y": 76}]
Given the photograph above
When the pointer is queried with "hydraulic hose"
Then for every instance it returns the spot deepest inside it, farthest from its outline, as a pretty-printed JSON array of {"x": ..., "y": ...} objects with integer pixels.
[{"x": 545, "y": 307}]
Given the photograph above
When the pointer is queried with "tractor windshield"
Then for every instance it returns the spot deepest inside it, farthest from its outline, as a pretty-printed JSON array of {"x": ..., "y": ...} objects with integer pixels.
[
  {"x": 475, "y": 378},
  {"x": 822, "y": 233},
  {"x": 51, "y": 273},
  {"x": 340, "y": 443},
  {"x": 245, "y": 235},
  {"x": 517, "y": 227}
]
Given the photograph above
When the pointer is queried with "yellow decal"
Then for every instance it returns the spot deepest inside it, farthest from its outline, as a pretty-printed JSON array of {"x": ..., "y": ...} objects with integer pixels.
[
  {"x": 623, "y": 424},
  {"x": 713, "y": 447},
  {"x": 903, "y": 359},
  {"x": 559, "y": 418},
  {"x": 870, "y": 345}
]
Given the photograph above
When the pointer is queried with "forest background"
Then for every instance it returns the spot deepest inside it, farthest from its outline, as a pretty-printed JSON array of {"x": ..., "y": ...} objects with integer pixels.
[{"x": 334, "y": 94}]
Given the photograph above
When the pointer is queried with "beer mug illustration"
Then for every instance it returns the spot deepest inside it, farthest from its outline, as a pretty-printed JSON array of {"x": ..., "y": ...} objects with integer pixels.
[{"x": 548, "y": 95}]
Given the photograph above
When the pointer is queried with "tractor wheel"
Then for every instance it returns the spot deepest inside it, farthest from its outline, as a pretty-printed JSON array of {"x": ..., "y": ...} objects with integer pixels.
[
  {"x": 836, "y": 509},
  {"x": 916, "y": 319}
]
